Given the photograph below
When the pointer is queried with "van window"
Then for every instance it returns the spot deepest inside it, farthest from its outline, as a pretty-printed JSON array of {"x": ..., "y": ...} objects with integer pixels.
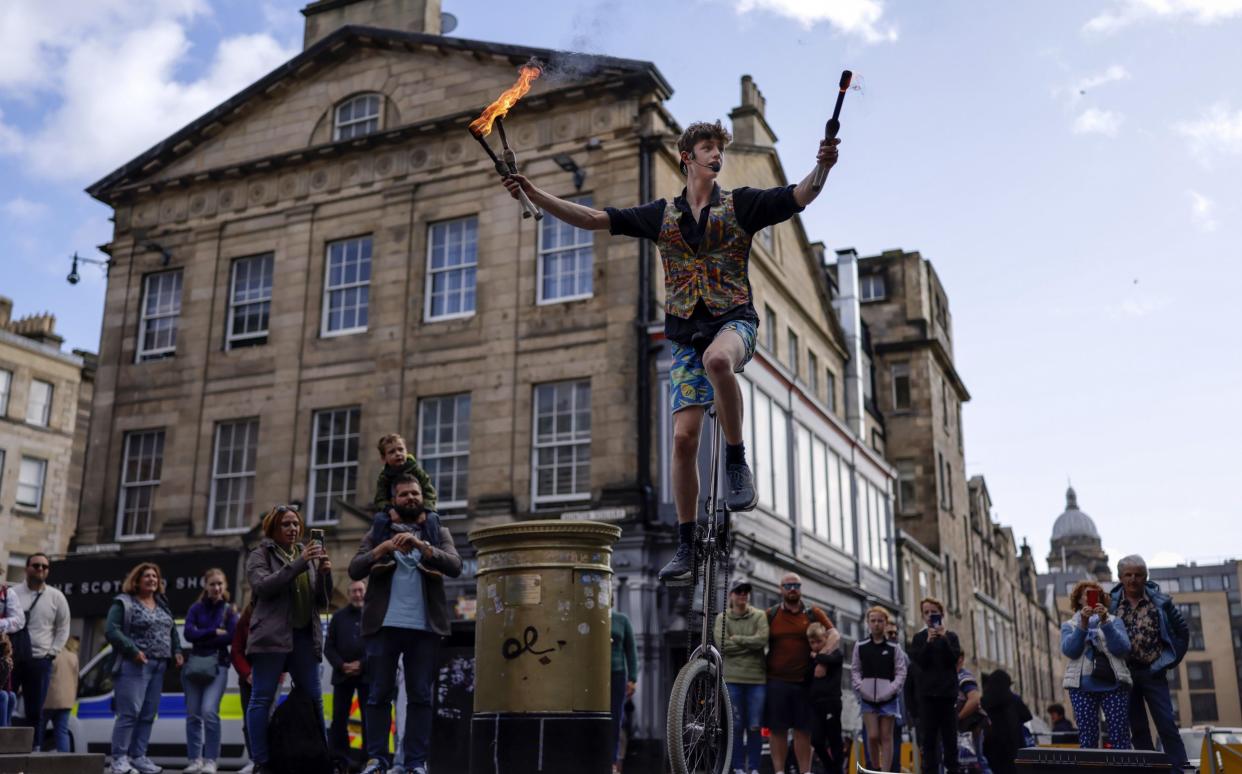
[{"x": 97, "y": 680}]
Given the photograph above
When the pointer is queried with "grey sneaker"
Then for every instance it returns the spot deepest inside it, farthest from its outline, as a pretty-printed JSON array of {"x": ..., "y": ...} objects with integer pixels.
[
  {"x": 680, "y": 569},
  {"x": 742, "y": 495},
  {"x": 145, "y": 766},
  {"x": 375, "y": 766},
  {"x": 120, "y": 765}
]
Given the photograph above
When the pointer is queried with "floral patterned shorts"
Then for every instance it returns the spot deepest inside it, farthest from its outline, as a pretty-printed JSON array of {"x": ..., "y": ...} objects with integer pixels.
[{"x": 687, "y": 379}]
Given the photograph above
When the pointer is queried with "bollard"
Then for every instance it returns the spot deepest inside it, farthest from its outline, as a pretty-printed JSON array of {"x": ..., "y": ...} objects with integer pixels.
[{"x": 542, "y": 648}]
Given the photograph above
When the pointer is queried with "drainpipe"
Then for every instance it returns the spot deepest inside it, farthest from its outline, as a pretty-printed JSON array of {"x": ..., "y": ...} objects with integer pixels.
[
  {"x": 850, "y": 315},
  {"x": 648, "y": 506}
]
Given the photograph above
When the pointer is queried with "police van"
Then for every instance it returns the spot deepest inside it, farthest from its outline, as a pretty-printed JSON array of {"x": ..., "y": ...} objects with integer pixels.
[{"x": 90, "y": 723}]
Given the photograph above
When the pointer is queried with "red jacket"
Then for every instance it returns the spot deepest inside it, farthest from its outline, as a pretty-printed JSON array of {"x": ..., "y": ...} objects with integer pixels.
[{"x": 240, "y": 635}]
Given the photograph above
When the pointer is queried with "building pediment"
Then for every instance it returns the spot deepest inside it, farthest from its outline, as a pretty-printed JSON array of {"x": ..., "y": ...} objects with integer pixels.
[{"x": 421, "y": 81}]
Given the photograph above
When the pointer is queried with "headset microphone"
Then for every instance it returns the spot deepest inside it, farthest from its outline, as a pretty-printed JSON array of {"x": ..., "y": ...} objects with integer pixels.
[{"x": 715, "y": 166}]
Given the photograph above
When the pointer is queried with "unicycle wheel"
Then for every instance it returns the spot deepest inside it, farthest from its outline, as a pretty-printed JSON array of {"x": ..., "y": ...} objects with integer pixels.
[{"x": 700, "y": 721}]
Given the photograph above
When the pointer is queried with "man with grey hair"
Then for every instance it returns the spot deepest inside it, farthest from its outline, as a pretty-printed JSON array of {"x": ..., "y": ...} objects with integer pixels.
[{"x": 1159, "y": 637}]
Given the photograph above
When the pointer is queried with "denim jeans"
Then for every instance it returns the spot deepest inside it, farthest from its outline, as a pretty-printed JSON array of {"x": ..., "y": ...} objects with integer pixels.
[
  {"x": 747, "y": 703},
  {"x": 33, "y": 676},
  {"x": 1152, "y": 688},
  {"x": 59, "y": 718},
  {"x": 136, "y": 694},
  {"x": 266, "y": 669},
  {"x": 417, "y": 650},
  {"x": 202, "y": 715},
  {"x": 8, "y": 700}
]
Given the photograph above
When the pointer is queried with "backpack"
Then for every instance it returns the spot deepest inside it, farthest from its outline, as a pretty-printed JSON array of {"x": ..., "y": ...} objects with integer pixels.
[
  {"x": 295, "y": 748},
  {"x": 809, "y": 612}
]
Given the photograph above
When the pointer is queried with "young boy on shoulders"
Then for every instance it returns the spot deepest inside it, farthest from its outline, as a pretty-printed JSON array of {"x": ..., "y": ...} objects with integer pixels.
[{"x": 398, "y": 461}]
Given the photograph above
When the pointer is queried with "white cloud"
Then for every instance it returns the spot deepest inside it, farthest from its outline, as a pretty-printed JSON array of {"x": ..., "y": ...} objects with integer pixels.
[
  {"x": 1096, "y": 121},
  {"x": 1136, "y": 307},
  {"x": 22, "y": 208},
  {"x": 1165, "y": 559},
  {"x": 1202, "y": 211},
  {"x": 1127, "y": 12},
  {"x": 1112, "y": 74},
  {"x": 1217, "y": 131},
  {"x": 853, "y": 17},
  {"x": 113, "y": 77}
]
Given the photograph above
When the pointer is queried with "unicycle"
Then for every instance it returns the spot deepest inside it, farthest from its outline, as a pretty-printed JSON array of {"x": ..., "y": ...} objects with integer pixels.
[{"x": 700, "y": 715}]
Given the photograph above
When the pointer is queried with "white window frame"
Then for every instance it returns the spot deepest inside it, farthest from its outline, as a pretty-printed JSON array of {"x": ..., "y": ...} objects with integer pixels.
[
  {"x": 6, "y": 389},
  {"x": 769, "y": 336},
  {"x": 462, "y": 267},
  {"x": 23, "y": 483},
  {"x": 44, "y": 415},
  {"x": 872, "y": 287},
  {"x": 794, "y": 344},
  {"x": 328, "y": 289},
  {"x": 458, "y": 449},
  {"x": 267, "y": 263},
  {"x": 812, "y": 372},
  {"x": 127, "y": 486},
  {"x": 543, "y": 253},
  {"x": 352, "y": 427},
  {"x": 830, "y": 391},
  {"x": 582, "y": 489},
  {"x": 339, "y": 127},
  {"x": 251, "y": 428},
  {"x": 145, "y": 319}
]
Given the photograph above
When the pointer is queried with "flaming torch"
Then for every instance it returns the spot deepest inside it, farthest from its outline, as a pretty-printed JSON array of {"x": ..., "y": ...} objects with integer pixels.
[
  {"x": 493, "y": 115},
  {"x": 832, "y": 127}
]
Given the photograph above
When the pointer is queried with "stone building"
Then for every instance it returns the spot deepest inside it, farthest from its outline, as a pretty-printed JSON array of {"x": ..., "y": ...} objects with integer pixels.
[
  {"x": 45, "y": 400},
  {"x": 327, "y": 257},
  {"x": 1076, "y": 545}
]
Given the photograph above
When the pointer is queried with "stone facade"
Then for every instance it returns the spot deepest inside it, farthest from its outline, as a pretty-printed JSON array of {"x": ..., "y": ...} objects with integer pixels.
[
  {"x": 41, "y": 445},
  {"x": 261, "y": 175}
]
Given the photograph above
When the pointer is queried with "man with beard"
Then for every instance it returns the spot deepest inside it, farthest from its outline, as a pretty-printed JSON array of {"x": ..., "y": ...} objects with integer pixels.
[
  {"x": 789, "y": 659},
  {"x": 406, "y": 555}
]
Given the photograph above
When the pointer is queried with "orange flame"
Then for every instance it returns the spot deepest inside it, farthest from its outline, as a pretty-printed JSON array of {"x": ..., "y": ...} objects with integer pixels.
[{"x": 482, "y": 126}]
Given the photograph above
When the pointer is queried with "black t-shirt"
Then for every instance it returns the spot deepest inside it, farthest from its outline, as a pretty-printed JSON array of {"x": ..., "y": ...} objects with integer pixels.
[{"x": 756, "y": 208}]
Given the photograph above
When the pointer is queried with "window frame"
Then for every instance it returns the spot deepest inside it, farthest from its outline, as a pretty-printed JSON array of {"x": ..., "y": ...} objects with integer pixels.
[
  {"x": 430, "y": 273},
  {"x": 907, "y": 477},
  {"x": 125, "y": 487},
  {"x": 45, "y": 417},
  {"x": 40, "y": 488},
  {"x": 353, "y": 427},
  {"x": 217, "y": 476},
  {"x": 328, "y": 289},
  {"x": 231, "y": 339},
  {"x": 794, "y": 344},
  {"x": 424, "y": 455},
  {"x": 901, "y": 372},
  {"x": 867, "y": 284},
  {"x": 587, "y": 200},
  {"x": 830, "y": 386},
  {"x": 141, "y": 354},
  {"x": 6, "y": 379},
  {"x": 378, "y": 116},
  {"x": 536, "y": 444},
  {"x": 769, "y": 336}
]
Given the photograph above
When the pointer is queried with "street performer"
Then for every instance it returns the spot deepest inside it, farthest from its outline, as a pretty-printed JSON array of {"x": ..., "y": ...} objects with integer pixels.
[{"x": 704, "y": 241}]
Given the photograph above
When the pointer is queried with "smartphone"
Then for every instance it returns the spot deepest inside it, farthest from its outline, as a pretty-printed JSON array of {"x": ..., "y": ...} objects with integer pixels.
[
  {"x": 936, "y": 620},
  {"x": 1093, "y": 597},
  {"x": 316, "y": 536}
]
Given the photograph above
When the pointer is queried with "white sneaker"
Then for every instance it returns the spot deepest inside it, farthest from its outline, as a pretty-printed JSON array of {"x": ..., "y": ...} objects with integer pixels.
[
  {"x": 247, "y": 769},
  {"x": 195, "y": 767},
  {"x": 120, "y": 765},
  {"x": 209, "y": 767},
  {"x": 145, "y": 766}
]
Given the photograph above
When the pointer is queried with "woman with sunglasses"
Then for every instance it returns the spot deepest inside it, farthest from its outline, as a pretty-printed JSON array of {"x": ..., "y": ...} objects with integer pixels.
[{"x": 291, "y": 582}]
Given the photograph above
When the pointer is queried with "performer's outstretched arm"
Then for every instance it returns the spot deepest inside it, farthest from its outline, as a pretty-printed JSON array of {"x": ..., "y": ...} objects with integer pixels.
[
  {"x": 577, "y": 215},
  {"x": 804, "y": 194}
]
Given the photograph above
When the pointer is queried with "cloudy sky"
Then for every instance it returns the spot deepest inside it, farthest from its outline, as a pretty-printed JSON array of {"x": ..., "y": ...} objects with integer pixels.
[{"x": 1071, "y": 170}]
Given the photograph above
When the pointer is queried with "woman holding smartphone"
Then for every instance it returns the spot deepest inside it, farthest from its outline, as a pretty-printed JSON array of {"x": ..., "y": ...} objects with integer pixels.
[
  {"x": 1096, "y": 676},
  {"x": 290, "y": 582}
]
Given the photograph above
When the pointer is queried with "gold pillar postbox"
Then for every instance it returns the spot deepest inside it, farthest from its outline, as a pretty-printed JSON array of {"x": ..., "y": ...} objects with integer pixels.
[{"x": 542, "y": 644}]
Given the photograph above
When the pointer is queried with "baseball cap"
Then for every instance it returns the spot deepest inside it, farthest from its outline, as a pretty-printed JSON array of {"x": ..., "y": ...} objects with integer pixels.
[{"x": 739, "y": 585}]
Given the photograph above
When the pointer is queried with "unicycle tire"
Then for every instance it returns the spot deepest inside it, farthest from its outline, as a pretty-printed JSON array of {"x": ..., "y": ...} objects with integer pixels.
[{"x": 698, "y": 686}]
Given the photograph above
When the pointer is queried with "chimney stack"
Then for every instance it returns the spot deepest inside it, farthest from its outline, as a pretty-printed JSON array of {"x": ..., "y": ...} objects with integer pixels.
[
  {"x": 749, "y": 125},
  {"x": 849, "y": 312},
  {"x": 323, "y": 17},
  {"x": 6, "y": 311}
]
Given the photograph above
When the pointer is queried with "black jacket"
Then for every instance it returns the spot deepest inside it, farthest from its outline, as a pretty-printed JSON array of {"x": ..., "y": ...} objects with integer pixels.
[
  {"x": 937, "y": 665},
  {"x": 344, "y": 643},
  {"x": 826, "y": 691}
]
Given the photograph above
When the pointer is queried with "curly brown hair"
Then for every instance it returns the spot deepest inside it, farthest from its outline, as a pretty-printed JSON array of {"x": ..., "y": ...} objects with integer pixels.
[
  {"x": 130, "y": 586},
  {"x": 699, "y": 131},
  {"x": 1080, "y": 588}
]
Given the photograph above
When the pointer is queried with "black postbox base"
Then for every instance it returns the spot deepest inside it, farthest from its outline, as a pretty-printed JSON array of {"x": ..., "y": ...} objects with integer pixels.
[{"x": 543, "y": 743}]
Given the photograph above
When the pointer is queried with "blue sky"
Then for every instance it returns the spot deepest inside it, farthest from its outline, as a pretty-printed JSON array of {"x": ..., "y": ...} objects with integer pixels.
[{"x": 1070, "y": 169}]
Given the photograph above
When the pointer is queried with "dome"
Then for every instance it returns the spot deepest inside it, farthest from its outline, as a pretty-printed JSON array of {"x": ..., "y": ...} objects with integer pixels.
[{"x": 1073, "y": 523}]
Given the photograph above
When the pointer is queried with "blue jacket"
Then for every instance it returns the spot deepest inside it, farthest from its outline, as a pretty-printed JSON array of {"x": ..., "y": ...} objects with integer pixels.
[
  {"x": 1083, "y": 646},
  {"x": 429, "y": 531},
  {"x": 1174, "y": 633},
  {"x": 201, "y": 623}
]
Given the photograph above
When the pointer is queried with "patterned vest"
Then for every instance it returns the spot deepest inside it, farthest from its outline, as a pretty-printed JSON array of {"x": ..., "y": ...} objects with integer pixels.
[{"x": 716, "y": 273}]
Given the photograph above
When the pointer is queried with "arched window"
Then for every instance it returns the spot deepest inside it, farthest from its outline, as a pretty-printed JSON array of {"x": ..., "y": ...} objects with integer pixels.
[{"x": 357, "y": 116}]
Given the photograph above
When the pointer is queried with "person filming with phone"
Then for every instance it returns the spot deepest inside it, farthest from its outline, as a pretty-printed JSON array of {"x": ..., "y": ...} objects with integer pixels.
[
  {"x": 934, "y": 651},
  {"x": 1096, "y": 676},
  {"x": 291, "y": 583}
]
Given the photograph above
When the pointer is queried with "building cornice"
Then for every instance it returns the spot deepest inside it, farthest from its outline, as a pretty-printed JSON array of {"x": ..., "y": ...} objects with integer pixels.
[{"x": 22, "y": 342}]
